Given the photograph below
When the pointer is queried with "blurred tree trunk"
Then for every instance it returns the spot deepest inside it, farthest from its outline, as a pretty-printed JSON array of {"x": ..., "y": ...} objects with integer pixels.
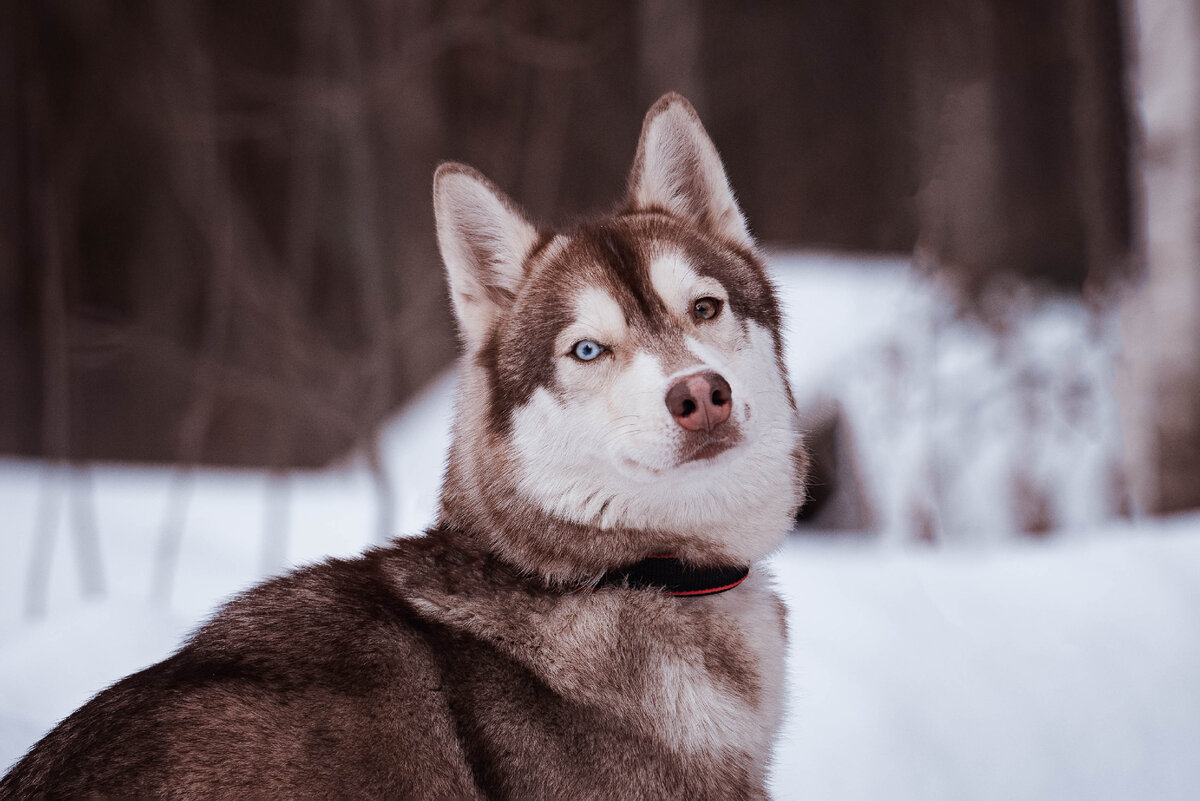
[
  {"x": 20, "y": 337},
  {"x": 1161, "y": 320},
  {"x": 1018, "y": 113}
]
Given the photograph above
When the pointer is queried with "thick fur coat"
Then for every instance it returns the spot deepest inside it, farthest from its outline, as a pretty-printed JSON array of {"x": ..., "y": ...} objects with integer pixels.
[{"x": 623, "y": 395}]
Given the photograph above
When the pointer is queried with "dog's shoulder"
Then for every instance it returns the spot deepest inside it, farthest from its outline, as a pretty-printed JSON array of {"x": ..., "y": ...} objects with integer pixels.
[{"x": 323, "y": 672}]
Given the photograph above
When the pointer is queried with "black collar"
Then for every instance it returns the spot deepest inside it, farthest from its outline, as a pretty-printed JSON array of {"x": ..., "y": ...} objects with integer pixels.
[{"x": 674, "y": 577}]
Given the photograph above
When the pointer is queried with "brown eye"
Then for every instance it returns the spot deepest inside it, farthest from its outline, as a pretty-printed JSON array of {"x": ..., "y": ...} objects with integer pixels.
[{"x": 706, "y": 308}]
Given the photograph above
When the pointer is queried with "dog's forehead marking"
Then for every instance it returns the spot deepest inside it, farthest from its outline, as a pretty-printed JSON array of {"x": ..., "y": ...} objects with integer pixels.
[
  {"x": 677, "y": 282},
  {"x": 620, "y": 256},
  {"x": 597, "y": 310}
]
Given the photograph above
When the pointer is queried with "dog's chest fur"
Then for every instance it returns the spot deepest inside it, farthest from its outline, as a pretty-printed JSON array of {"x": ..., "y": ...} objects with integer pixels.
[
  {"x": 697, "y": 674},
  {"x": 645, "y": 679}
]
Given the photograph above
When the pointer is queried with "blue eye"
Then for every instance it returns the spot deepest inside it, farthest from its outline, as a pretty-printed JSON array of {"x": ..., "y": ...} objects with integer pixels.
[{"x": 585, "y": 350}]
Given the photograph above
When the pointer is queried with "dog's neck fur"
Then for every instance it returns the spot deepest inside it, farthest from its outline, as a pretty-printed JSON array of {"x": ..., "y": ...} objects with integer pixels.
[
  {"x": 480, "y": 498},
  {"x": 561, "y": 553}
]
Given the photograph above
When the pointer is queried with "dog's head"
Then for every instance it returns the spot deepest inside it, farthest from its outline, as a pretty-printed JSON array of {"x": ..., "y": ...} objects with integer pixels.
[{"x": 624, "y": 389}]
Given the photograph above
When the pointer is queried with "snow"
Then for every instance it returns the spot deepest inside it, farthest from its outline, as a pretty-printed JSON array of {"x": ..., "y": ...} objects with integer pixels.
[
  {"x": 975, "y": 432},
  {"x": 1062, "y": 670},
  {"x": 988, "y": 666}
]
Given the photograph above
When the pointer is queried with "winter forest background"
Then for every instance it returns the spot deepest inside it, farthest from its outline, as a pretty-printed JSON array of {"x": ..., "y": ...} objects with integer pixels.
[{"x": 226, "y": 348}]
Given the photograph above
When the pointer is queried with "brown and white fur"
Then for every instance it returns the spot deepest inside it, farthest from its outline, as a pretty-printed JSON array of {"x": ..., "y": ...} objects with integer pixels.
[{"x": 481, "y": 659}]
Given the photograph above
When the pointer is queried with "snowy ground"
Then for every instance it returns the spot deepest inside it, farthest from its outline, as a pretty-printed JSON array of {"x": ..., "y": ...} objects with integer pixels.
[{"x": 990, "y": 667}]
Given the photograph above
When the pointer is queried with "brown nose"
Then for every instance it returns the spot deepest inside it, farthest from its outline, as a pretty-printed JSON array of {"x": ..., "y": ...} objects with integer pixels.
[{"x": 701, "y": 401}]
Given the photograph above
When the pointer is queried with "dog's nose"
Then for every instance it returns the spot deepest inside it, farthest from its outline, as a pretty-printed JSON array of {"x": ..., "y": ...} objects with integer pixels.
[{"x": 701, "y": 401}]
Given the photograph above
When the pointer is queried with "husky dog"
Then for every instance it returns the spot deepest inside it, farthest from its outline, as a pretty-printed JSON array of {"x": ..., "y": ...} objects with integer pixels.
[{"x": 589, "y": 617}]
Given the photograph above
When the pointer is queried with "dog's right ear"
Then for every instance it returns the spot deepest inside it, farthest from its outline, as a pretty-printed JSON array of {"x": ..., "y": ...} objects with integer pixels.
[
  {"x": 484, "y": 239},
  {"x": 677, "y": 170}
]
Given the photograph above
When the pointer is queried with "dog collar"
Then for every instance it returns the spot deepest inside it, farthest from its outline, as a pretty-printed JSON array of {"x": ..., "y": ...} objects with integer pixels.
[{"x": 674, "y": 577}]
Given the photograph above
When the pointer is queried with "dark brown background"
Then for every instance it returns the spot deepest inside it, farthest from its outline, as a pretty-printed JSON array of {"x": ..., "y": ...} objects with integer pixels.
[{"x": 216, "y": 242}]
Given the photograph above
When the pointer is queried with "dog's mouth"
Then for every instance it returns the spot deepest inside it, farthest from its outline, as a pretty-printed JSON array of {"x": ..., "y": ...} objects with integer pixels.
[
  {"x": 696, "y": 448},
  {"x": 708, "y": 448}
]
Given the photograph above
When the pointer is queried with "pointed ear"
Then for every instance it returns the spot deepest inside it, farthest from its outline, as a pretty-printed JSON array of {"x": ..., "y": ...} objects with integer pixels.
[
  {"x": 484, "y": 239},
  {"x": 677, "y": 170}
]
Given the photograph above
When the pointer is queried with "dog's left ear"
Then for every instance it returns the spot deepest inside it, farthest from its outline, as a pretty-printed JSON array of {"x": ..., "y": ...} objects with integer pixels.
[{"x": 677, "y": 170}]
